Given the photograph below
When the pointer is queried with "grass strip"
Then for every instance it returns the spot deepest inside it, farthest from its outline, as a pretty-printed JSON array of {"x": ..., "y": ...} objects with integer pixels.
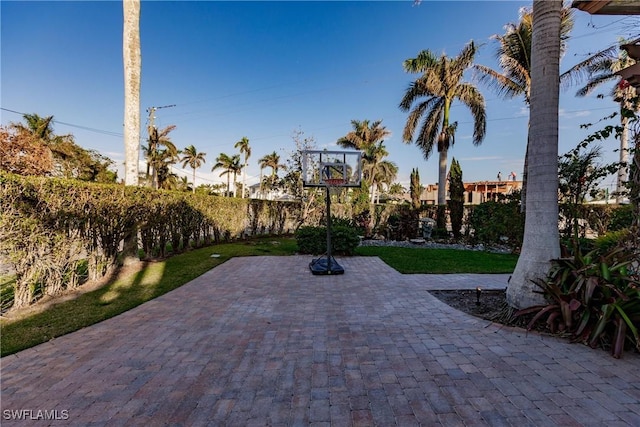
[{"x": 441, "y": 261}]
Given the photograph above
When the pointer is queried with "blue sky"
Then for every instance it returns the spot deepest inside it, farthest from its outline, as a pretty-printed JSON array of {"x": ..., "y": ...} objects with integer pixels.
[{"x": 265, "y": 69}]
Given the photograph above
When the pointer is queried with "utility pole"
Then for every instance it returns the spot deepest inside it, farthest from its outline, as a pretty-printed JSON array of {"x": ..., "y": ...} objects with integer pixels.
[{"x": 152, "y": 111}]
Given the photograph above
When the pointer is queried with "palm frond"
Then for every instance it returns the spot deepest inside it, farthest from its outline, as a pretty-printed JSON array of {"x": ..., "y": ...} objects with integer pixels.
[
  {"x": 428, "y": 136},
  {"x": 414, "y": 118},
  {"x": 499, "y": 83},
  {"x": 470, "y": 96},
  {"x": 425, "y": 60},
  {"x": 598, "y": 62}
]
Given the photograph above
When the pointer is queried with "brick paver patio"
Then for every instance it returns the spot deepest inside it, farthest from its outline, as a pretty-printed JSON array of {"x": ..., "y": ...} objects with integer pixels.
[{"x": 260, "y": 341}]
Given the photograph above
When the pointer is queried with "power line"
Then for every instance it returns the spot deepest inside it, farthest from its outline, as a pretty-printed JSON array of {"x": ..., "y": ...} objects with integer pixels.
[{"x": 90, "y": 129}]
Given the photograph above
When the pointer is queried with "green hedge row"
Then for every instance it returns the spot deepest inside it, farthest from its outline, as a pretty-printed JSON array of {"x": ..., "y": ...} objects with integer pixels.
[{"x": 59, "y": 232}]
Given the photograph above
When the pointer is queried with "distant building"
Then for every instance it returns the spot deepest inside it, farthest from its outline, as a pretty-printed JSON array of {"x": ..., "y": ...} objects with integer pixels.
[{"x": 474, "y": 192}]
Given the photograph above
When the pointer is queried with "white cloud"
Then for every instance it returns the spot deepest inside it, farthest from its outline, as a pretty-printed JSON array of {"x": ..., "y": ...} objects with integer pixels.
[
  {"x": 480, "y": 159},
  {"x": 573, "y": 114}
]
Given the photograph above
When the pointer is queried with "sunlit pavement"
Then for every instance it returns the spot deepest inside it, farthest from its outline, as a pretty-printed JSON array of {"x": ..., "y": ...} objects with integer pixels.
[{"x": 261, "y": 341}]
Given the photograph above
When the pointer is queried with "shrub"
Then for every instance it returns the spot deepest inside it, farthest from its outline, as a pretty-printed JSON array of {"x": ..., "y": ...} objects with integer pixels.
[
  {"x": 621, "y": 217},
  {"x": 403, "y": 224},
  {"x": 313, "y": 240},
  {"x": 594, "y": 298},
  {"x": 611, "y": 239},
  {"x": 492, "y": 222}
]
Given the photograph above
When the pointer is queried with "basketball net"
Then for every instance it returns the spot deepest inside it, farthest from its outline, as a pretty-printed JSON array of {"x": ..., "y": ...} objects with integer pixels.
[{"x": 334, "y": 185}]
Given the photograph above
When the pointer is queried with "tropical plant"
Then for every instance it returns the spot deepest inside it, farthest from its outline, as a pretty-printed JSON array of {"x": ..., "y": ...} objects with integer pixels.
[
  {"x": 601, "y": 69},
  {"x": 595, "y": 299},
  {"x": 39, "y": 127},
  {"x": 369, "y": 138},
  {"x": 396, "y": 189},
  {"x": 236, "y": 168},
  {"x": 245, "y": 149},
  {"x": 158, "y": 157},
  {"x": 272, "y": 161},
  {"x": 579, "y": 174},
  {"x": 541, "y": 236},
  {"x": 429, "y": 98},
  {"x": 228, "y": 164},
  {"x": 193, "y": 158},
  {"x": 162, "y": 163},
  {"x": 456, "y": 198},
  {"x": 375, "y": 170},
  {"x": 132, "y": 71},
  {"x": 385, "y": 175}
]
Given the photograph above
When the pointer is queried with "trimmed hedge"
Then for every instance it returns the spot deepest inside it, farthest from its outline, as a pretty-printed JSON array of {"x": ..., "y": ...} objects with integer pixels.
[{"x": 59, "y": 232}]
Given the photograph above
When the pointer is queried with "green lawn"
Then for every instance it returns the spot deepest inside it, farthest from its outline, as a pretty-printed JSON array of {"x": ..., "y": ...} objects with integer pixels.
[
  {"x": 441, "y": 261},
  {"x": 127, "y": 291}
]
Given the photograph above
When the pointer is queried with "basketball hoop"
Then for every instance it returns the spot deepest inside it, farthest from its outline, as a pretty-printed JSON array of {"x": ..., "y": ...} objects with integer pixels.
[{"x": 333, "y": 182}]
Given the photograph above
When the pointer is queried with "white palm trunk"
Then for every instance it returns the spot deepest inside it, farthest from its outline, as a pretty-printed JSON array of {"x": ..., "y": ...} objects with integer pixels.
[
  {"x": 623, "y": 175},
  {"x": 132, "y": 69},
  {"x": 541, "y": 237},
  {"x": 244, "y": 177},
  {"x": 442, "y": 177}
]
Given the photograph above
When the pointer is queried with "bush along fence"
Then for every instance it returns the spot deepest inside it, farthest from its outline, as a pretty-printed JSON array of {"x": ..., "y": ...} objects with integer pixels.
[{"x": 57, "y": 233}]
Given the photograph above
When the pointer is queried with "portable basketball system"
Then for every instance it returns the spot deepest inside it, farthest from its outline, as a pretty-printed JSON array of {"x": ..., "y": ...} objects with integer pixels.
[{"x": 330, "y": 169}]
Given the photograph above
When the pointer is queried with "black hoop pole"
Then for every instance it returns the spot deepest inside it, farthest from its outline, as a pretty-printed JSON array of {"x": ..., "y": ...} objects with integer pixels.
[{"x": 328, "y": 231}]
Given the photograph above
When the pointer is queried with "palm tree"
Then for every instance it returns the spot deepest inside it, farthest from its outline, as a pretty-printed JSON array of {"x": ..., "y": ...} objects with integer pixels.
[
  {"x": 369, "y": 138},
  {"x": 161, "y": 162},
  {"x": 429, "y": 99},
  {"x": 602, "y": 68},
  {"x": 374, "y": 167},
  {"x": 40, "y": 127},
  {"x": 153, "y": 152},
  {"x": 227, "y": 164},
  {"x": 269, "y": 161},
  {"x": 132, "y": 70},
  {"x": 541, "y": 236},
  {"x": 514, "y": 56},
  {"x": 396, "y": 189},
  {"x": 245, "y": 149},
  {"x": 384, "y": 173},
  {"x": 191, "y": 157},
  {"x": 364, "y": 135},
  {"x": 236, "y": 168}
]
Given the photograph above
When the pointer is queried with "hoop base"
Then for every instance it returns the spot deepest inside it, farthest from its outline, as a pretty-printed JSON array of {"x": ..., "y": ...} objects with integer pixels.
[{"x": 322, "y": 266}]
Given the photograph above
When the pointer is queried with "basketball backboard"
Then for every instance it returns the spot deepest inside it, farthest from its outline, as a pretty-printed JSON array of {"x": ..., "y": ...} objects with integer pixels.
[{"x": 322, "y": 168}]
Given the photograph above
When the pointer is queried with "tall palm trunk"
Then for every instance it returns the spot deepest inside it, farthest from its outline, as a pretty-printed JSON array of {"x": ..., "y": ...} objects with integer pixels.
[
  {"x": 261, "y": 193},
  {"x": 624, "y": 156},
  {"x": 235, "y": 185},
  {"x": 194, "y": 181},
  {"x": 132, "y": 69},
  {"x": 244, "y": 177},
  {"x": 443, "y": 149},
  {"x": 541, "y": 236}
]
